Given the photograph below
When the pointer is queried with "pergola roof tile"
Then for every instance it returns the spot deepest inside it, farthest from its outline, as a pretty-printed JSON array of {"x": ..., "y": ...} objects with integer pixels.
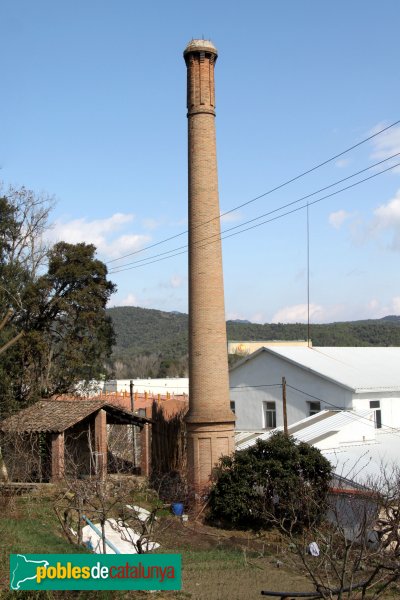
[{"x": 58, "y": 415}]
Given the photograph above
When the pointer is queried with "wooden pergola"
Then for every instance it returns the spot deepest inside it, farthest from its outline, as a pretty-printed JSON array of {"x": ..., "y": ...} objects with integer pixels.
[{"x": 81, "y": 424}]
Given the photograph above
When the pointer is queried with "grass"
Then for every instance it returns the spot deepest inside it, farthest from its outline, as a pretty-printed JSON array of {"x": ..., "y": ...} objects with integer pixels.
[
  {"x": 216, "y": 564},
  {"x": 28, "y": 525},
  {"x": 226, "y": 565},
  {"x": 212, "y": 568}
]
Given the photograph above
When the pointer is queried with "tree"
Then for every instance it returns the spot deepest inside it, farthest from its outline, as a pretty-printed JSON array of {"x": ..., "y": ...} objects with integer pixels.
[
  {"x": 24, "y": 217},
  {"x": 58, "y": 298},
  {"x": 356, "y": 546},
  {"x": 255, "y": 486}
]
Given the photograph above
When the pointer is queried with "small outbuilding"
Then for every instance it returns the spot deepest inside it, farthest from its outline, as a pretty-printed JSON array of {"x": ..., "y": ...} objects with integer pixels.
[{"x": 54, "y": 438}]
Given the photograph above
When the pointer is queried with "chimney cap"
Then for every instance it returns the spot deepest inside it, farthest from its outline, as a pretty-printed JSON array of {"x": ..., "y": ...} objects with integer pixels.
[{"x": 199, "y": 46}]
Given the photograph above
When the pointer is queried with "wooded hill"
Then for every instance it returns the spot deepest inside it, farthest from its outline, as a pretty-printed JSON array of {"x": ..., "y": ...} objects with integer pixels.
[{"x": 154, "y": 343}]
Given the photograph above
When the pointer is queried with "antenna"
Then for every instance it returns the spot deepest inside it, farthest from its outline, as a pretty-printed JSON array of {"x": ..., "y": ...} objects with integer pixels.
[{"x": 308, "y": 277}]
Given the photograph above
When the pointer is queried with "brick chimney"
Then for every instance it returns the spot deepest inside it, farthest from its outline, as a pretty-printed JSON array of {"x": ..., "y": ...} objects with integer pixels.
[{"x": 210, "y": 421}]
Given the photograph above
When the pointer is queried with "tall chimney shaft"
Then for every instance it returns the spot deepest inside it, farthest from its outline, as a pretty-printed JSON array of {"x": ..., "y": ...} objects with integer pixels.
[{"x": 210, "y": 422}]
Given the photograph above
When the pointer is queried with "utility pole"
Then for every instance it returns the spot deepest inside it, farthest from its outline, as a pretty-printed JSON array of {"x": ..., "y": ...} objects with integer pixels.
[
  {"x": 285, "y": 425},
  {"x": 133, "y": 427},
  {"x": 308, "y": 278},
  {"x": 131, "y": 394}
]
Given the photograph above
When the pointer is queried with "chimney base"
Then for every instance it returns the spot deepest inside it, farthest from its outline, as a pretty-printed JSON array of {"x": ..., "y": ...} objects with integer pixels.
[{"x": 206, "y": 443}]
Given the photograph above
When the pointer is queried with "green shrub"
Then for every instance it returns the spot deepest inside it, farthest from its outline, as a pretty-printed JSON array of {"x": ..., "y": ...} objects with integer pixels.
[{"x": 277, "y": 481}]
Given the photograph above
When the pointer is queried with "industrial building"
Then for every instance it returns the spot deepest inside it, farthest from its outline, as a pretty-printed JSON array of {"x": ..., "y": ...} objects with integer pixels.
[{"x": 317, "y": 378}]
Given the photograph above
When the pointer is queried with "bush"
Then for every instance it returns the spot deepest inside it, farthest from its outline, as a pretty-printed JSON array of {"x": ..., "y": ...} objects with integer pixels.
[{"x": 273, "y": 481}]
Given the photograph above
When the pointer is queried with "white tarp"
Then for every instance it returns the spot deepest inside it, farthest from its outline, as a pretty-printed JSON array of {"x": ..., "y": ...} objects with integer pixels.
[
  {"x": 123, "y": 538},
  {"x": 140, "y": 513}
]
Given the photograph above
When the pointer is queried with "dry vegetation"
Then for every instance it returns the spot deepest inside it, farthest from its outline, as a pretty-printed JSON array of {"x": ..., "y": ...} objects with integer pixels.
[{"x": 218, "y": 564}]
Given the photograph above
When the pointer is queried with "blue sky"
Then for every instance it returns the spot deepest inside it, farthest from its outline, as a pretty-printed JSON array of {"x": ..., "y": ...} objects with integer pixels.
[{"x": 93, "y": 112}]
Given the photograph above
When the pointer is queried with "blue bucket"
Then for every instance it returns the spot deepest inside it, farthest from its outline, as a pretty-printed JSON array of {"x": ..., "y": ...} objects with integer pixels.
[{"x": 177, "y": 508}]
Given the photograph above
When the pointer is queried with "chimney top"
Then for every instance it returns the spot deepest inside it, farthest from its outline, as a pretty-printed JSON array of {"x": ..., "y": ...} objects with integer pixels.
[{"x": 200, "y": 46}]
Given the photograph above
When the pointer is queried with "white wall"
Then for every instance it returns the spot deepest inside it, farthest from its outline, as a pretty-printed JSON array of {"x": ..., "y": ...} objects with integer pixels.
[
  {"x": 266, "y": 368},
  {"x": 173, "y": 385},
  {"x": 389, "y": 406},
  {"x": 360, "y": 431}
]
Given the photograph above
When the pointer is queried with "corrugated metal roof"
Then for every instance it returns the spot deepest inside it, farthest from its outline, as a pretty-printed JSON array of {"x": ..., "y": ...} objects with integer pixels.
[
  {"x": 361, "y": 369},
  {"x": 59, "y": 415},
  {"x": 363, "y": 461},
  {"x": 310, "y": 430},
  {"x": 366, "y": 463}
]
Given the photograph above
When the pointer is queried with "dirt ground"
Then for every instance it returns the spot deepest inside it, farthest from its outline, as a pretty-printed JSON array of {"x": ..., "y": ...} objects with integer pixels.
[
  {"x": 225, "y": 565},
  {"x": 217, "y": 564}
]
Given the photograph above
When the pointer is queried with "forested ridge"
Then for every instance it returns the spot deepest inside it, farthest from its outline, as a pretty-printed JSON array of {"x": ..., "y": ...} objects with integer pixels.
[{"x": 154, "y": 343}]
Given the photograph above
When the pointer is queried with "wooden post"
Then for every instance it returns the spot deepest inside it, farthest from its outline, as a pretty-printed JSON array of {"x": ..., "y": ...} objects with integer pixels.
[
  {"x": 57, "y": 456},
  {"x": 100, "y": 434},
  {"x": 133, "y": 426},
  {"x": 285, "y": 424},
  {"x": 145, "y": 443}
]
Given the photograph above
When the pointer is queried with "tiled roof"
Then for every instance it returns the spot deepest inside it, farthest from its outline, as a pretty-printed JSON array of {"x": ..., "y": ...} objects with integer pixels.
[{"x": 56, "y": 416}]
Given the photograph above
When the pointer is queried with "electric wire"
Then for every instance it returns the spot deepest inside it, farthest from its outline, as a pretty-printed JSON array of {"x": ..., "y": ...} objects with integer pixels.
[
  {"x": 223, "y": 237},
  {"x": 270, "y": 191},
  {"x": 261, "y": 385},
  {"x": 394, "y": 430},
  {"x": 115, "y": 269},
  {"x": 181, "y": 387}
]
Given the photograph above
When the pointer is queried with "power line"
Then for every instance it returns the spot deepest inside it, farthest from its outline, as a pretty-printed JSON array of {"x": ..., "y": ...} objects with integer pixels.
[
  {"x": 262, "y": 385},
  {"x": 270, "y": 191},
  {"x": 223, "y": 237},
  {"x": 394, "y": 430},
  {"x": 180, "y": 387},
  {"x": 114, "y": 269}
]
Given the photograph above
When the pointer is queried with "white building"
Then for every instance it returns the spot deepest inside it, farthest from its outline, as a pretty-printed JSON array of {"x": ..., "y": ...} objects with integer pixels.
[
  {"x": 357, "y": 450},
  {"x": 176, "y": 386},
  {"x": 326, "y": 430},
  {"x": 243, "y": 348},
  {"x": 316, "y": 379}
]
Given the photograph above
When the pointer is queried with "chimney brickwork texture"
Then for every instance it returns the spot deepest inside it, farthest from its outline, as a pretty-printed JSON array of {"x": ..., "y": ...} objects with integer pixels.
[{"x": 210, "y": 421}]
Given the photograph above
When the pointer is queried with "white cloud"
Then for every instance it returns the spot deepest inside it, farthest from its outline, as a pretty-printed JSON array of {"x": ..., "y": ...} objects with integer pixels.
[
  {"x": 168, "y": 294},
  {"x": 396, "y": 305},
  {"x": 232, "y": 315},
  {"x": 386, "y": 144},
  {"x": 371, "y": 309},
  {"x": 342, "y": 162},
  {"x": 297, "y": 313},
  {"x": 129, "y": 300},
  {"x": 257, "y": 318},
  {"x": 231, "y": 217},
  {"x": 387, "y": 218},
  {"x": 151, "y": 223},
  {"x": 336, "y": 219},
  {"x": 101, "y": 233},
  {"x": 375, "y": 309},
  {"x": 176, "y": 281},
  {"x": 373, "y": 304}
]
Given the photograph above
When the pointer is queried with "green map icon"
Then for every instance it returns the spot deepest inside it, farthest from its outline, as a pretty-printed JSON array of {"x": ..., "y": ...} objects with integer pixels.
[{"x": 23, "y": 570}]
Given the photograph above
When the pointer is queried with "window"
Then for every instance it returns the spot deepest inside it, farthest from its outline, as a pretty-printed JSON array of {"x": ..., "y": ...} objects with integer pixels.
[
  {"x": 314, "y": 408},
  {"x": 233, "y": 406},
  {"x": 376, "y": 405},
  {"x": 269, "y": 415}
]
